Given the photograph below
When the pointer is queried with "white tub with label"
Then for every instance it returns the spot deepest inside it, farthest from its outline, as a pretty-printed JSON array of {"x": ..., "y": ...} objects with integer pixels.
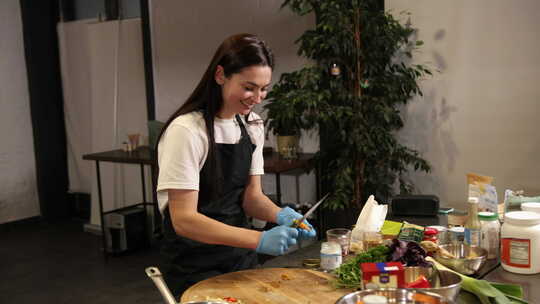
[{"x": 520, "y": 242}]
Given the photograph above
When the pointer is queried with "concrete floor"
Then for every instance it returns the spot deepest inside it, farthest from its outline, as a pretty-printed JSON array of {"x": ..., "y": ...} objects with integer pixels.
[{"x": 59, "y": 263}]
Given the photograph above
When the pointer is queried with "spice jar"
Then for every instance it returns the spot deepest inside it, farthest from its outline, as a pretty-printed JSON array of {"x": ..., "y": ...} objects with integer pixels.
[
  {"x": 489, "y": 231},
  {"x": 330, "y": 255}
]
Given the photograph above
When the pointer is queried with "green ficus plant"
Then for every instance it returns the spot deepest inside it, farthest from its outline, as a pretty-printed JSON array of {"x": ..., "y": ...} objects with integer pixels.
[{"x": 359, "y": 79}]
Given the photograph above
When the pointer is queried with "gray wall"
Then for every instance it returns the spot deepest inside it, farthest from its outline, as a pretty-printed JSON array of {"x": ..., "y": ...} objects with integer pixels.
[
  {"x": 18, "y": 192},
  {"x": 100, "y": 109},
  {"x": 480, "y": 114}
]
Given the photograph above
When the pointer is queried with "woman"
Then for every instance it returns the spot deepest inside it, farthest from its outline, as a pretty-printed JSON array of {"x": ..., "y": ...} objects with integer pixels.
[{"x": 210, "y": 165}]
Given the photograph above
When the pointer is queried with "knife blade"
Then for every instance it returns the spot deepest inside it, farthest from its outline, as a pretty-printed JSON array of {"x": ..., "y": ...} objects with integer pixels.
[{"x": 298, "y": 222}]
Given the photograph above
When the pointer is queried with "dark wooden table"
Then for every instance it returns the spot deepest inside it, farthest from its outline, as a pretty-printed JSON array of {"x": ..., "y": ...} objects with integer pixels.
[
  {"x": 141, "y": 156},
  {"x": 277, "y": 165}
]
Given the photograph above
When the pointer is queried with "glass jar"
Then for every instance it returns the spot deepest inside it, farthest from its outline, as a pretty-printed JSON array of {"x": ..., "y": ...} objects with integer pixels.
[
  {"x": 331, "y": 257},
  {"x": 490, "y": 231}
]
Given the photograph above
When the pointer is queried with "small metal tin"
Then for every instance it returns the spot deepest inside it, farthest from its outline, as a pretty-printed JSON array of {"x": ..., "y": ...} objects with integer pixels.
[{"x": 311, "y": 263}]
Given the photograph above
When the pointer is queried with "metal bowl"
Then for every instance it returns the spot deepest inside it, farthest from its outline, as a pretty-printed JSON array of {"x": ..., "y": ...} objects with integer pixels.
[
  {"x": 463, "y": 263},
  {"x": 202, "y": 302},
  {"x": 445, "y": 283},
  {"x": 394, "y": 295}
]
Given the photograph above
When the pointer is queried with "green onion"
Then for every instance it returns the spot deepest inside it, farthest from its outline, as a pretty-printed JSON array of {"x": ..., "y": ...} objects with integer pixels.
[{"x": 486, "y": 292}]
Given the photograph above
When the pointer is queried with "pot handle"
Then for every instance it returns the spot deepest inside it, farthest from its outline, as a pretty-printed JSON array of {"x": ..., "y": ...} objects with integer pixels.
[{"x": 156, "y": 276}]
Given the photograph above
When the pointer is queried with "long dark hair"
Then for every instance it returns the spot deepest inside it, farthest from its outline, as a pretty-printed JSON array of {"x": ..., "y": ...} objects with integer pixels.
[{"x": 234, "y": 54}]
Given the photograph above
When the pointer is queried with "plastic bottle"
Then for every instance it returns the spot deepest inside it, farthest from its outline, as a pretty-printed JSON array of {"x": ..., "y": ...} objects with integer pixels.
[
  {"x": 490, "y": 232},
  {"x": 472, "y": 225},
  {"x": 330, "y": 255},
  {"x": 520, "y": 242}
]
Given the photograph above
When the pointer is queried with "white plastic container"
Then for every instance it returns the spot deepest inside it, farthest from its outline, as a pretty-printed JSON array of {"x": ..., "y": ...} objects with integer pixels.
[
  {"x": 331, "y": 257},
  {"x": 520, "y": 242},
  {"x": 490, "y": 231}
]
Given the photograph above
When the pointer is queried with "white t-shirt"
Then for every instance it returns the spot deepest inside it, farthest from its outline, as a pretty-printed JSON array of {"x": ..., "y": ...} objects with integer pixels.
[{"x": 183, "y": 148}]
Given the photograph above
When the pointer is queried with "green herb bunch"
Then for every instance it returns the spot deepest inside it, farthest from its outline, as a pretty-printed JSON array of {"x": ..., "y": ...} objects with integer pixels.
[{"x": 348, "y": 275}]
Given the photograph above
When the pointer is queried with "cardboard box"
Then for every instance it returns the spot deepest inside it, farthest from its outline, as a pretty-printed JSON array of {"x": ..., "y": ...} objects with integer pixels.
[{"x": 382, "y": 275}]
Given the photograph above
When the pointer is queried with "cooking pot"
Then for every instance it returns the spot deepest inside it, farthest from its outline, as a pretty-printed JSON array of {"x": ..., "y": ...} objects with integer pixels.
[{"x": 156, "y": 276}]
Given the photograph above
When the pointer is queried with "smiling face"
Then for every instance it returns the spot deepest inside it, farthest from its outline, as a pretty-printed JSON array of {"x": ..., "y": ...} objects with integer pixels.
[{"x": 241, "y": 91}]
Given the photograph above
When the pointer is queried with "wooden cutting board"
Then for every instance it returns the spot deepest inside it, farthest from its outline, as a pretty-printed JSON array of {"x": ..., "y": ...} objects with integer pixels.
[{"x": 269, "y": 286}]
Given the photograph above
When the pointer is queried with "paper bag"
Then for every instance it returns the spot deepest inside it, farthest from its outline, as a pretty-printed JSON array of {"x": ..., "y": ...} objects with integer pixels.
[{"x": 371, "y": 219}]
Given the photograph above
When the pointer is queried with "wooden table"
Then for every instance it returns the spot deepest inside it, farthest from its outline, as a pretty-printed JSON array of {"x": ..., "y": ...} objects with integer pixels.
[
  {"x": 141, "y": 156},
  {"x": 275, "y": 164},
  {"x": 269, "y": 286}
]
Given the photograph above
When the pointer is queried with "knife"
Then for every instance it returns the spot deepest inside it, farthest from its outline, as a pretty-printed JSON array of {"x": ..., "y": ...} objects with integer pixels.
[{"x": 298, "y": 222}]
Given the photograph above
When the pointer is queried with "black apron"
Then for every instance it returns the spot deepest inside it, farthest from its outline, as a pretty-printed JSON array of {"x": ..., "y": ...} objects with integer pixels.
[{"x": 186, "y": 261}]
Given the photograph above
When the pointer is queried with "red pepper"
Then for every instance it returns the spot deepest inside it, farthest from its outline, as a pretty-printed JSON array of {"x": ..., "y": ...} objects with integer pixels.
[
  {"x": 421, "y": 282},
  {"x": 230, "y": 299}
]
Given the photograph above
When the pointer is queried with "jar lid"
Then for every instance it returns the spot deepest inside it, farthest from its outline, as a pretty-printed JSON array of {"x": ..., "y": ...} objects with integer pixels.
[
  {"x": 311, "y": 263},
  {"x": 531, "y": 206},
  {"x": 522, "y": 218},
  {"x": 488, "y": 216},
  {"x": 439, "y": 228}
]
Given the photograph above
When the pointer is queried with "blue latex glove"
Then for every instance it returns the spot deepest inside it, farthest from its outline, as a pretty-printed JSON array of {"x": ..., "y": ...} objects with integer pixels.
[
  {"x": 277, "y": 240},
  {"x": 287, "y": 215}
]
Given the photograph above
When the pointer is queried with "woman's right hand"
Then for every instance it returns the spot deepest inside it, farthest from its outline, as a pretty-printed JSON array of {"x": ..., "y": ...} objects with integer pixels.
[{"x": 277, "y": 240}]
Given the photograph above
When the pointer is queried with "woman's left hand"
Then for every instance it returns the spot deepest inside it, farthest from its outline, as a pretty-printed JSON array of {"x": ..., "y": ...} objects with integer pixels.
[{"x": 287, "y": 217}]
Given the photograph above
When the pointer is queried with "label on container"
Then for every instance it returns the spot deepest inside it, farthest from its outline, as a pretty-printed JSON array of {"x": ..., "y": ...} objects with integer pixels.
[
  {"x": 330, "y": 261},
  {"x": 472, "y": 237},
  {"x": 516, "y": 252},
  {"x": 457, "y": 234}
]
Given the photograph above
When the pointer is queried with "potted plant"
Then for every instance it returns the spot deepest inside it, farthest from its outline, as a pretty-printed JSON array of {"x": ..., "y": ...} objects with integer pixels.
[
  {"x": 359, "y": 80},
  {"x": 284, "y": 115}
]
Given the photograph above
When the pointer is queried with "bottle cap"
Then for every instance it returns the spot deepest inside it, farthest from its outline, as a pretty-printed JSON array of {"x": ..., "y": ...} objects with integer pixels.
[
  {"x": 488, "y": 216},
  {"x": 522, "y": 218}
]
